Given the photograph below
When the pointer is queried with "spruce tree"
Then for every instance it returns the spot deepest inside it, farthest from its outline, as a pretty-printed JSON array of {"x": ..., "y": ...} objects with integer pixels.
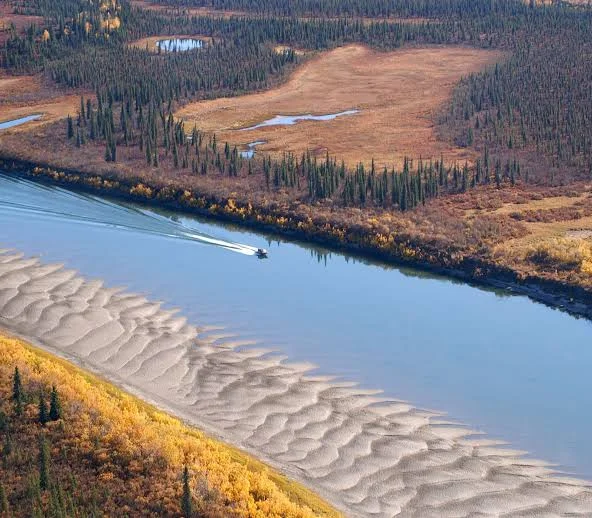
[
  {"x": 17, "y": 392},
  {"x": 43, "y": 464},
  {"x": 4, "y": 507},
  {"x": 186, "y": 503},
  {"x": 43, "y": 417},
  {"x": 17, "y": 387},
  {"x": 55, "y": 405},
  {"x": 70, "y": 128}
]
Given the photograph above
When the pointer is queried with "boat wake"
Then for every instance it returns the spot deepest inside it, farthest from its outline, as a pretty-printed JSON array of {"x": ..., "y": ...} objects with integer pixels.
[{"x": 92, "y": 211}]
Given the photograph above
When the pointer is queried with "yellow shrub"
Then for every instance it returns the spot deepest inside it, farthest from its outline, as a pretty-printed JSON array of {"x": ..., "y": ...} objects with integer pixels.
[
  {"x": 141, "y": 190},
  {"x": 563, "y": 254},
  {"x": 133, "y": 431}
]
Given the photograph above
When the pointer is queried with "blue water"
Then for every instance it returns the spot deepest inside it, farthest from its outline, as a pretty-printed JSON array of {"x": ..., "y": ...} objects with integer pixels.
[
  {"x": 250, "y": 151},
  {"x": 180, "y": 44},
  {"x": 288, "y": 120},
  {"x": 496, "y": 361},
  {"x": 18, "y": 122}
]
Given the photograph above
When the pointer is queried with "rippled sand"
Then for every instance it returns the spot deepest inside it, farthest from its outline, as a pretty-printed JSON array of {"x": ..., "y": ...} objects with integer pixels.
[{"x": 366, "y": 455}]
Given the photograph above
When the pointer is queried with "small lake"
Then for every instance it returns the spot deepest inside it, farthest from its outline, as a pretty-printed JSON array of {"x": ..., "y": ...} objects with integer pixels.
[
  {"x": 180, "y": 44},
  {"x": 499, "y": 362},
  {"x": 250, "y": 151},
  {"x": 288, "y": 120},
  {"x": 18, "y": 122}
]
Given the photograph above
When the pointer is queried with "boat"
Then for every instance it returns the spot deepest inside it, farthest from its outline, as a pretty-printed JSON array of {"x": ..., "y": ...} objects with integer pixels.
[{"x": 261, "y": 252}]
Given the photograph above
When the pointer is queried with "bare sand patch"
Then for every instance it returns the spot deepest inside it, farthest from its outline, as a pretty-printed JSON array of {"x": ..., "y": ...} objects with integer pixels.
[
  {"x": 367, "y": 455},
  {"x": 151, "y": 41},
  {"x": 397, "y": 94}
]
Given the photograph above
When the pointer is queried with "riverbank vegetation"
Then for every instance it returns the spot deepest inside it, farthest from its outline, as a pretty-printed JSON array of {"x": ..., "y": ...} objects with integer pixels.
[
  {"x": 504, "y": 137},
  {"x": 73, "y": 445}
]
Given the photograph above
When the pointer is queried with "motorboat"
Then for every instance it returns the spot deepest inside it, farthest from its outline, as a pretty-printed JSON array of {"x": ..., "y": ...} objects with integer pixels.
[{"x": 261, "y": 252}]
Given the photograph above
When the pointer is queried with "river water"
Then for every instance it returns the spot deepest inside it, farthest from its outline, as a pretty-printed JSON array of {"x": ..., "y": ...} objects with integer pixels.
[{"x": 496, "y": 361}]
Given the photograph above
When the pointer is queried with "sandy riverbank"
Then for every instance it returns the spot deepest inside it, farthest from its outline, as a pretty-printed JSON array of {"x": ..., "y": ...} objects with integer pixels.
[{"x": 368, "y": 456}]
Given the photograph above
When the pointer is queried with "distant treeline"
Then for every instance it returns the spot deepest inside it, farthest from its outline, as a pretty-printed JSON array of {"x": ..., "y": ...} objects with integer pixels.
[
  {"x": 358, "y": 8},
  {"x": 540, "y": 98}
]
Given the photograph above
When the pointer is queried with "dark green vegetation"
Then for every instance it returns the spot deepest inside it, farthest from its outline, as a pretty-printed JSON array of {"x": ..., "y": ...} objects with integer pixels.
[
  {"x": 529, "y": 117},
  {"x": 357, "y": 8}
]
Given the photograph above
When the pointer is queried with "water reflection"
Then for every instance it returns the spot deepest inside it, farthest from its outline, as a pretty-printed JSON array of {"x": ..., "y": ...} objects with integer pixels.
[{"x": 179, "y": 44}]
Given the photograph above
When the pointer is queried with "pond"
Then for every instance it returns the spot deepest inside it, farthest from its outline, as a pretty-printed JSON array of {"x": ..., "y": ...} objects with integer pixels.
[
  {"x": 288, "y": 120},
  {"x": 250, "y": 151},
  {"x": 179, "y": 44},
  {"x": 18, "y": 122}
]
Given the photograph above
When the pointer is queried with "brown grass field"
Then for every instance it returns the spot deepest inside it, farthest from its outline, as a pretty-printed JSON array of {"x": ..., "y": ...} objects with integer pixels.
[
  {"x": 150, "y": 42},
  {"x": 555, "y": 221},
  {"x": 26, "y": 95},
  {"x": 398, "y": 94}
]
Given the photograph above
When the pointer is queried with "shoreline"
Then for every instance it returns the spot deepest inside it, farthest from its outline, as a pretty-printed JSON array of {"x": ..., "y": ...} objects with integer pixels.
[
  {"x": 364, "y": 453},
  {"x": 173, "y": 410},
  {"x": 304, "y": 501},
  {"x": 575, "y": 300}
]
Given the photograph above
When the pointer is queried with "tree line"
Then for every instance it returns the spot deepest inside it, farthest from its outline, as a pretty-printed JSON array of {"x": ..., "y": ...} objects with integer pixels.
[
  {"x": 537, "y": 98},
  {"x": 165, "y": 143},
  {"x": 360, "y": 8}
]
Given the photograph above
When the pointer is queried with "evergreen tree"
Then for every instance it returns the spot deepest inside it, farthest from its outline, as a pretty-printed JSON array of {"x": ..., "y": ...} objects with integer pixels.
[
  {"x": 186, "y": 502},
  {"x": 17, "y": 392},
  {"x": 55, "y": 405},
  {"x": 17, "y": 387},
  {"x": 70, "y": 128},
  {"x": 4, "y": 507},
  {"x": 43, "y": 460},
  {"x": 43, "y": 417}
]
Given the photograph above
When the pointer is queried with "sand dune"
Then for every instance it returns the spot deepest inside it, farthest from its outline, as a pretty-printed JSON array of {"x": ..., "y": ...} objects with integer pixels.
[{"x": 367, "y": 455}]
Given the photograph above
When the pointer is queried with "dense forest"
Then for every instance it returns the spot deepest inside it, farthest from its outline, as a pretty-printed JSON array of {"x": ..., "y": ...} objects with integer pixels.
[
  {"x": 537, "y": 99},
  {"x": 359, "y": 8}
]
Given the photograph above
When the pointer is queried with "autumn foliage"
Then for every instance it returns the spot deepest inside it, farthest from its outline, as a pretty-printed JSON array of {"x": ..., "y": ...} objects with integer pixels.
[{"x": 112, "y": 455}]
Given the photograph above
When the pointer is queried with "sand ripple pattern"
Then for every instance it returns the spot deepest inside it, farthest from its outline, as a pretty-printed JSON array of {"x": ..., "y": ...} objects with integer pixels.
[{"x": 367, "y": 455}]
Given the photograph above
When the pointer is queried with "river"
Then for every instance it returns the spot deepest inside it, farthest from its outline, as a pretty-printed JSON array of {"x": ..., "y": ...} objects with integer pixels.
[{"x": 496, "y": 361}]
